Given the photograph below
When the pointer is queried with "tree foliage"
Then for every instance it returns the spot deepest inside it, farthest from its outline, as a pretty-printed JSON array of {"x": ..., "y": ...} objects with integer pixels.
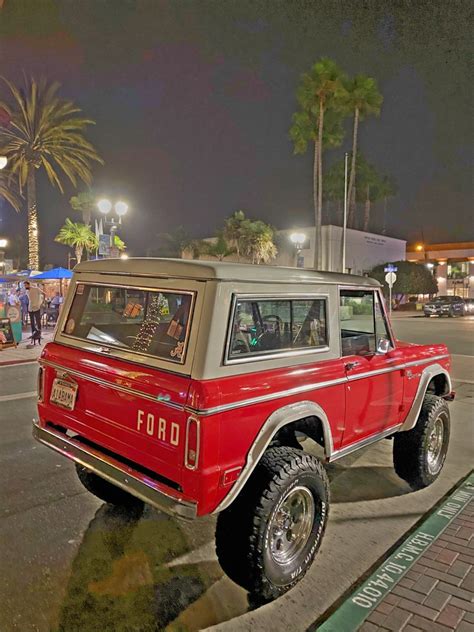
[
  {"x": 9, "y": 189},
  {"x": 77, "y": 236},
  {"x": 412, "y": 278},
  {"x": 321, "y": 97},
  {"x": 253, "y": 239},
  {"x": 83, "y": 203},
  {"x": 44, "y": 132},
  {"x": 220, "y": 249}
]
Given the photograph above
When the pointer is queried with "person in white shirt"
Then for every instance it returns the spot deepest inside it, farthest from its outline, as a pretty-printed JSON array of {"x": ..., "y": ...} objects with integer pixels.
[
  {"x": 13, "y": 299},
  {"x": 35, "y": 300}
]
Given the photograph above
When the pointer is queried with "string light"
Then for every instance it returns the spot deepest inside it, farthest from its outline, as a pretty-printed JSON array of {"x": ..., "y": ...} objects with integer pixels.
[{"x": 150, "y": 324}]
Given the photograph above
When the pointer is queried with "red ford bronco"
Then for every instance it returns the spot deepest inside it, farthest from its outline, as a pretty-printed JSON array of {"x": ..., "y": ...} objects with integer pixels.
[{"x": 192, "y": 386}]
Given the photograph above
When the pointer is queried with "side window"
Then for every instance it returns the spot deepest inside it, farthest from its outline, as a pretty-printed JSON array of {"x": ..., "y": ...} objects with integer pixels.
[
  {"x": 362, "y": 320},
  {"x": 262, "y": 326},
  {"x": 356, "y": 315}
]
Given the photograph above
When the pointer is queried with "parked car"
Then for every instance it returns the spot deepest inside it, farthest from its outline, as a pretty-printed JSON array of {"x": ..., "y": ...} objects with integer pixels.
[
  {"x": 469, "y": 305},
  {"x": 189, "y": 385},
  {"x": 445, "y": 306}
]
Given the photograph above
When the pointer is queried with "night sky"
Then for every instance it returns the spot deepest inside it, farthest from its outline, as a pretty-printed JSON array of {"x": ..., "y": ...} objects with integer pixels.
[{"x": 193, "y": 102}]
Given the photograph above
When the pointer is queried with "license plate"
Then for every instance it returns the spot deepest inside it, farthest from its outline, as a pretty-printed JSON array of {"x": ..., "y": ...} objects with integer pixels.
[{"x": 63, "y": 394}]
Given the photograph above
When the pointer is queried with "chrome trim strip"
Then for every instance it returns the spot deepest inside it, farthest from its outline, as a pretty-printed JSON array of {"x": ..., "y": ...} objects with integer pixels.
[
  {"x": 130, "y": 480},
  {"x": 265, "y": 398},
  {"x": 338, "y": 454},
  {"x": 117, "y": 387},
  {"x": 297, "y": 390}
]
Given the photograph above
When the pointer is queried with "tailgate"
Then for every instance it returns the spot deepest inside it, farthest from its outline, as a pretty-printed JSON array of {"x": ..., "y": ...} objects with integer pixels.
[{"x": 132, "y": 411}]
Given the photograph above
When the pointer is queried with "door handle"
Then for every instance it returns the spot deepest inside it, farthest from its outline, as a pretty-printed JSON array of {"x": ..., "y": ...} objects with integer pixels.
[{"x": 351, "y": 365}]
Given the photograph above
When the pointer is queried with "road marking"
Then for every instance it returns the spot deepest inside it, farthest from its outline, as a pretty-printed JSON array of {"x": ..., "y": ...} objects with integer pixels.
[
  {"x": 10, "y": 363},
  {"x": 365, "y": 598},
  {"x": 9, "y": 398}
]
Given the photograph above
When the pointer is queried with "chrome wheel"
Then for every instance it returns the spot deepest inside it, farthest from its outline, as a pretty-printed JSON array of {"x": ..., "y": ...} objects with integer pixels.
[
  {"x": 435, "y": 452},
  {"x": 291, "y": 526}
]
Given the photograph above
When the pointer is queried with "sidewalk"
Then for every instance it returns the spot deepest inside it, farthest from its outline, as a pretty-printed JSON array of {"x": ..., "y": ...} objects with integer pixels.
[
  {"x": 20, "y": 353},
  {"x": 426, "y": 584}
]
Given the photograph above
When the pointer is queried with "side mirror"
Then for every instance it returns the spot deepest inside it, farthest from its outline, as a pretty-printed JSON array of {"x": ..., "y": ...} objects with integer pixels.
[{"x": 383, "y": 345}]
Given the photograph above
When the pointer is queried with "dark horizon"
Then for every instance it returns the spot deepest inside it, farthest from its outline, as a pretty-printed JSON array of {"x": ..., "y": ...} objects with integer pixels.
[{"x": 193, "y": 105}]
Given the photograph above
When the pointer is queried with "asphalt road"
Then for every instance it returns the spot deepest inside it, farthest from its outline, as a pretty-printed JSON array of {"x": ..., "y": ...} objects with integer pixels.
[
  {"x": 73, "y": 564},
  {"x": 457, "y": 333}
]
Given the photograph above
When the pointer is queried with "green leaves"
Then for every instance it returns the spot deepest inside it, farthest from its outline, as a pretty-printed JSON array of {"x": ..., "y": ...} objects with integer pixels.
[
  {"x": 412, "y": 278},
  {"x": 78, "y": 236},
  {"x": 323, "y": 84},
  {"x": 251, "y": 238},
  {"x": 46, "y": 131},
  {"x": 362, "y": 93}
]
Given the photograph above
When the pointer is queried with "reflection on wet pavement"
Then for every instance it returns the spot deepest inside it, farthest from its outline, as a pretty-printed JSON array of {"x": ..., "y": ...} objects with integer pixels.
[{"x": 127, "y": 576}]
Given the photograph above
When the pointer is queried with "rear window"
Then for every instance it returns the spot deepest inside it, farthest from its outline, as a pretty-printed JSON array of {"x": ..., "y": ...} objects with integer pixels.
[
  {"x": 269, "y": 326},
  {"x": 151, "y": 322}
]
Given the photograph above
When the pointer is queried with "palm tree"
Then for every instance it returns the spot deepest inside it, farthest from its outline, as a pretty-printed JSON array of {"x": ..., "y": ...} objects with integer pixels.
[
  {"x": 321, "y": 93},
  {"x": 9, "y": 189},
  {"x": 78, "y": 236},
  {"x": 83, "y": 203},
  {"x": 362, "y": 98},
  {"x": 220, "y": 249},
  {"x": 44, "y": 131},
  {"x": 234, "y": 229}
]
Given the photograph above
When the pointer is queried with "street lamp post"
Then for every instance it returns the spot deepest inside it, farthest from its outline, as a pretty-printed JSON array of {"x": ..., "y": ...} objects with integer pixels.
[
  {"x": 298, "y": 240},
  {"x": 105, "y": 206}
]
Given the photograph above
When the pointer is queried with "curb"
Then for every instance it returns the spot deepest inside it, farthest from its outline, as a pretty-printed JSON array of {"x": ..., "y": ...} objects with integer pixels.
[
  {"x": 351, "y": 610},
  {"x": 13, "y": 362}
]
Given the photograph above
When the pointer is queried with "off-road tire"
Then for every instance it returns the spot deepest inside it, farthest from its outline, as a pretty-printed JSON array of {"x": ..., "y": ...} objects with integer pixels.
[
  {"x": 104, "y": 490},
  {"x": 411, "y": 449},
  {"x": 243, "y": 538}
]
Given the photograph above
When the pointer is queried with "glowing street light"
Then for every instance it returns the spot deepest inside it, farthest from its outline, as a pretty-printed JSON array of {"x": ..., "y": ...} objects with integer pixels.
[
  {"x": 121, "y": 208},
  {"x": 419, "y": 247},
  {"x": 3, "y": 243},
  {"x": 3, "y": 162},
  {"x": 124, "y": 255},
  {"x": 298, "y": 240},
  {"x": 104, "y": 206},
  {"x": 430, "y": 266}
]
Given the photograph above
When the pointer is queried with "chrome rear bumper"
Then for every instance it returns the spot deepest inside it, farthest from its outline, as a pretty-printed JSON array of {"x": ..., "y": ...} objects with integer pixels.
[{"x": 128, "y": 479}]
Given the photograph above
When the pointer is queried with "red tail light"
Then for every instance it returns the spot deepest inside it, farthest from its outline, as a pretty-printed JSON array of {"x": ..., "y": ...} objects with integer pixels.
[{"x": 192, "y": 444}]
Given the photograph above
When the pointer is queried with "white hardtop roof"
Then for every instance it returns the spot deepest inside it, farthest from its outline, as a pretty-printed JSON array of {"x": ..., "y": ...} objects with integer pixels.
[{"x": 217, "y": 270}]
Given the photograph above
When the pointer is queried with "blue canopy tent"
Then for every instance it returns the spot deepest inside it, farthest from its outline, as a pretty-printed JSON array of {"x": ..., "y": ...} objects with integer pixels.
[{"x": 55, "y": 274}]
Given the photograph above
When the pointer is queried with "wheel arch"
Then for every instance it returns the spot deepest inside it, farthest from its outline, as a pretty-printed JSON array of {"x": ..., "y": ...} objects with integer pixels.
[
  {"x": 275, "y": 422},
  {"x": 434, "y": 377}
]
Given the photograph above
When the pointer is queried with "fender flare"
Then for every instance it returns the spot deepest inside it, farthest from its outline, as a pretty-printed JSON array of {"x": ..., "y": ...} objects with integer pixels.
[
  {"x": 427, "y": 375},
  {"x": 279, "y": 418}
]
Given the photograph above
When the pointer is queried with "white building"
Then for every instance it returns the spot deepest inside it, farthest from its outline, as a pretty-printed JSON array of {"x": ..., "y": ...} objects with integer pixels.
[
  {"x": 452, "y": 265},
  {"x": 364, "y": 251}
]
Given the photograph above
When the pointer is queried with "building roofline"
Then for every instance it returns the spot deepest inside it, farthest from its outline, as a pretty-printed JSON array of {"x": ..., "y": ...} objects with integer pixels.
[{"x": 461, "y": 245}]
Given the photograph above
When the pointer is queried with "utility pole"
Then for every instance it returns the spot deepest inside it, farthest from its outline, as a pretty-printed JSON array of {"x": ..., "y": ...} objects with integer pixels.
[{"x": 344, "y": 222}]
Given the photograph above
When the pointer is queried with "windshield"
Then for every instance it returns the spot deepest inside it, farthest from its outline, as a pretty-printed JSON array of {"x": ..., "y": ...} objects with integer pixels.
[{"x": 150, "y": 322}]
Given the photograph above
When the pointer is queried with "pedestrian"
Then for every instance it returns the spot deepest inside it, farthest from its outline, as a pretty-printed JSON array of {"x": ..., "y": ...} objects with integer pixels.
[
  {"x": 13, "y": 299},
  {"x": 24, "y": 306},
  {"x": 35, "y": 301}
]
